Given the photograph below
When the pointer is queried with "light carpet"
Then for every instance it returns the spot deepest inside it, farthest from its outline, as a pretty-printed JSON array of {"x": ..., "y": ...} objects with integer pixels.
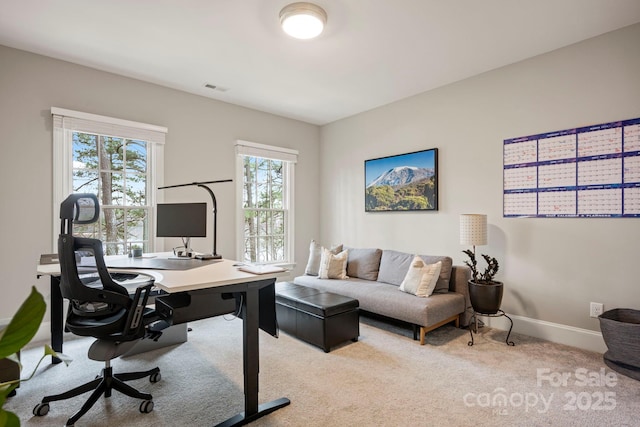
[{"x": 384, "y": 379}]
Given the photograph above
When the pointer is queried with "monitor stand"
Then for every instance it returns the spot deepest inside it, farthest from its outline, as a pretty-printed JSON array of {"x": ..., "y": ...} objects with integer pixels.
[{"x": 186, "y": 253}]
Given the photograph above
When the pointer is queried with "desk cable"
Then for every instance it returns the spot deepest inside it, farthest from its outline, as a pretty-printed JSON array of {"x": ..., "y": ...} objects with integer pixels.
[{"x": 234, "y": 316}]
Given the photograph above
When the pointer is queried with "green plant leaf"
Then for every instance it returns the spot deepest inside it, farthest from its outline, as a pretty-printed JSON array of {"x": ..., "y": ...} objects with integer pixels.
[
  {"x": 23, "y": 325},
  {"x": 48, "y": 351},
  {"x": 5, "y": 389},
  {"x": 9, "y": 419}
]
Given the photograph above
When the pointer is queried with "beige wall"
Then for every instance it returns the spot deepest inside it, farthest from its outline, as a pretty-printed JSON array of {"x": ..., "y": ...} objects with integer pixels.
[
  {"x": 199, "y": 148},
  {"x": 552, "y": 268}
]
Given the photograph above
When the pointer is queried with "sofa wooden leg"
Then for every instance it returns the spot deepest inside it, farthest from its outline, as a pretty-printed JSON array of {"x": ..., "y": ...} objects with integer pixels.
[{"x": 424, "y": 330}]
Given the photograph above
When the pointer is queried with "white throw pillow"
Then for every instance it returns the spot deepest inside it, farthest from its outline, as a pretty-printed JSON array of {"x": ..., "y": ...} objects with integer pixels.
[
  {"x": 315, "y": 254},
  {"x": 421, "y": 278},
  {"x": 333, "y": 266}
]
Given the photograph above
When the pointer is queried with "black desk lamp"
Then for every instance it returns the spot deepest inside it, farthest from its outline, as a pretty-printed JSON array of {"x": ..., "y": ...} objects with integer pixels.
[{"x": 214, "y": 255}]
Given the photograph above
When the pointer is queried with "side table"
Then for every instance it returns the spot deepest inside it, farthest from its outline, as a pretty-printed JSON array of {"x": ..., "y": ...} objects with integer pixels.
[{"x": 474, "y": 324}]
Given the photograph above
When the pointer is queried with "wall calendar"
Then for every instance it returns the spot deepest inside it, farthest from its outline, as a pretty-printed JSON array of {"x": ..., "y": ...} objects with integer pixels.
[{"x": 592, "y": 171}]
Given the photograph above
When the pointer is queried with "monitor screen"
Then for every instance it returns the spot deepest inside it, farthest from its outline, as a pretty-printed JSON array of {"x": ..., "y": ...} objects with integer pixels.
[{"x": 182, "y": 220}]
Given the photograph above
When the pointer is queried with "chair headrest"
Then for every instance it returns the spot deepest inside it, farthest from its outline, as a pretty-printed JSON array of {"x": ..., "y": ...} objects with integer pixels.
[{"x": 81, "y": 208}]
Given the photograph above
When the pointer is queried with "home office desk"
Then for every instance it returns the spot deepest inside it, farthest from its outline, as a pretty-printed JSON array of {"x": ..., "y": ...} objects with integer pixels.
[{"x": 213, "y": 278}]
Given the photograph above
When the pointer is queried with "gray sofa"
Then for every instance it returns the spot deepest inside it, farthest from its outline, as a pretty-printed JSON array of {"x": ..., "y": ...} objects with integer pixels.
[{"x": 374, "y": 276}]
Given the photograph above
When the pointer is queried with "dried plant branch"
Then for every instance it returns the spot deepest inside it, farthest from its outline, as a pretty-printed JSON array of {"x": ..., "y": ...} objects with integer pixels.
[{"x": 489, "y": 272}]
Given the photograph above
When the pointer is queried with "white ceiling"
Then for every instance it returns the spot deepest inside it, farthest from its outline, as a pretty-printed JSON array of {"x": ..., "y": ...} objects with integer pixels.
[{"x": 372, "y": 52}]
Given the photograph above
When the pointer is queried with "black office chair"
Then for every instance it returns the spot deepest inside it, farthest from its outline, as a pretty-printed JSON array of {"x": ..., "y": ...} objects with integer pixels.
[{"x": 101, "y": 308}]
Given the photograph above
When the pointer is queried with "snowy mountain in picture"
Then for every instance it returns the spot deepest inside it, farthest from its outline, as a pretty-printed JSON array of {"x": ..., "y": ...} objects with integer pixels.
[{"x": 401, "y": 176}]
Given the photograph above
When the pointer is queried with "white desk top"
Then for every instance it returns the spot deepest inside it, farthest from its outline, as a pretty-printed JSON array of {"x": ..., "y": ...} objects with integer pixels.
[{"x": 208, "y": 276}]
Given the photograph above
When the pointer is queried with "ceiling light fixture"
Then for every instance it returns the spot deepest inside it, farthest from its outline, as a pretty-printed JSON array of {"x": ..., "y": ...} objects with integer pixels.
[{"x": 303, "y": 20}]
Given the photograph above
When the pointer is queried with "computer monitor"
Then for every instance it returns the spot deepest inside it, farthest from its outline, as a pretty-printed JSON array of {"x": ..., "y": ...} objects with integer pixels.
[{"x": 184, "y": 220}]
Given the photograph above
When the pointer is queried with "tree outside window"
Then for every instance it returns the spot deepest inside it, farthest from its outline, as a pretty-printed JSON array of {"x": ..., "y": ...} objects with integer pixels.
[
  {"x": 115, "y": 169},
  {"x": 265, "y": 210}
]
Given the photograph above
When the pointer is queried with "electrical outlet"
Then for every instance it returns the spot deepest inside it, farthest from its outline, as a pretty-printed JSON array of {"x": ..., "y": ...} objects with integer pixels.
[{"x": 596, "y": 309}]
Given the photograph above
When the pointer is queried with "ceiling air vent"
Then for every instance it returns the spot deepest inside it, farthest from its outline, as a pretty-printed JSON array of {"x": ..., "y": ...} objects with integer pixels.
[{"x": 215, "y": 87}]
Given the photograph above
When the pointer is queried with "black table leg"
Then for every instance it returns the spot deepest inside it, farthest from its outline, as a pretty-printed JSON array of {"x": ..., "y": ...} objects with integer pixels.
[
  {"x": 251, "y": 363},
  {"x": 57, "y": 322}
]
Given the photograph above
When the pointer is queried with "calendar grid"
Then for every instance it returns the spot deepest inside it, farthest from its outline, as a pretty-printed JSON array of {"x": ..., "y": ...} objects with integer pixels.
[{"x": 593, "y": 171}]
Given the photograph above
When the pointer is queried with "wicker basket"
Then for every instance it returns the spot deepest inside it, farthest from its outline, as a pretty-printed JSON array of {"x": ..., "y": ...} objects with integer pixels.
[{"x": 621, "y": 332}]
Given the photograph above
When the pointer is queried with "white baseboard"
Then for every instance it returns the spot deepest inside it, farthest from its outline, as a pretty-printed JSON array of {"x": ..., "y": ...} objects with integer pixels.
[{"x": 554, "y": 332}]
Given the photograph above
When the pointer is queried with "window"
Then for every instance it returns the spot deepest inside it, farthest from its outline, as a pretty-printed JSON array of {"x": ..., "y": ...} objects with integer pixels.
[
  {"x": 264, "y": 180},
  {"x": 116, "y": 160}
]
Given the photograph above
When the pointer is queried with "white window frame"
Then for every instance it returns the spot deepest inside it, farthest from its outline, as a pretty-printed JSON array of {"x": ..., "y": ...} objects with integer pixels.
[
  {"x": 65, "y": 122},
  {"x": 290, "y": 158}
]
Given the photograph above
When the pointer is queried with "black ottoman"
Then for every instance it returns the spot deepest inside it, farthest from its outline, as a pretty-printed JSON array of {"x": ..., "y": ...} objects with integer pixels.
[{"x": 323, "y": 319}]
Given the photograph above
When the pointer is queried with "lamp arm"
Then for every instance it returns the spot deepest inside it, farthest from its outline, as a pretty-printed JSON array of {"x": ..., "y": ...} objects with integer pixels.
[
  {"x": 215, "y": 205},
  {"x": 195, "y": 183},
  {"x": 215, "y": 216}
]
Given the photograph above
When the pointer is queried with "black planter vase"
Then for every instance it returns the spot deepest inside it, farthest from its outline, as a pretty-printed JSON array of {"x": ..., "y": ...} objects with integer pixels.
[
  {"x": 485, "y": 298},
  {"x": 621, "y": 333}
]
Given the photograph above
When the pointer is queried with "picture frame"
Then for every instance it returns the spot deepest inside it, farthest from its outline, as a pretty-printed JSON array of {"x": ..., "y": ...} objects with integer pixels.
[{"x": 402, "y": 182}]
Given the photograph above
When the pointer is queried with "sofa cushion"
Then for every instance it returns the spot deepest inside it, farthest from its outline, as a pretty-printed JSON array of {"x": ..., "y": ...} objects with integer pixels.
[
  {"x": 363, "y": 263},
  {"x": 315, "y": 254},
  {"x": 442, "y": 285},
  {"x": 384, "y": 299},
  {"x": 333, "y": 266},
  {"x": 394, "y": 266},
  {"x": 421, "y": 278}
]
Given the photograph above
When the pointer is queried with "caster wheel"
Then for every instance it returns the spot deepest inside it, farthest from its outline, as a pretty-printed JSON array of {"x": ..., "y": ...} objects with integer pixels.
[
  {"x": 154, "y": 378},
  {"x": 146, "y": 406},
  {"x": 41, "y": 409}
]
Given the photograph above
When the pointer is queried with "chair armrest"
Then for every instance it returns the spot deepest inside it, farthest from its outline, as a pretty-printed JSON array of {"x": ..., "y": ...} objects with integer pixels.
[{"x": 139, "y": 302}]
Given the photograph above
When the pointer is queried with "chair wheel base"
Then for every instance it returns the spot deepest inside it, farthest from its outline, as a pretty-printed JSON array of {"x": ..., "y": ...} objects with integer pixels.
[
  {"x": 146, "y": 406},
  {"x": 41, "y": 409}
]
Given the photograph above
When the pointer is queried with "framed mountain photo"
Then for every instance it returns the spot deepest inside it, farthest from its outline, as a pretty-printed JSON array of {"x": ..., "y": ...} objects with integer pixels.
[{"x": 404, "y": 182}]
